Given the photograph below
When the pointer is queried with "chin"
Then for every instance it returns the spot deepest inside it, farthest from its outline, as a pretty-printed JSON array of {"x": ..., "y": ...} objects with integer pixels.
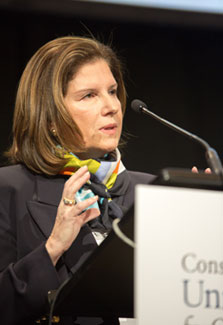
[
  {"x": 100, "y": 150},
  {"x": 110, "y": 148}
]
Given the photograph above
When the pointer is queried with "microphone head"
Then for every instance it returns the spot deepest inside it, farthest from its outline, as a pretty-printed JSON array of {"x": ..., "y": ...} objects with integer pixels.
[{"x": 137, "y": 105}]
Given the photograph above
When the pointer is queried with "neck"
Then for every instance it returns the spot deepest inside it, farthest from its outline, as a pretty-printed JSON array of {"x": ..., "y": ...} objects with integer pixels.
[{"x": 101, "y": 155}]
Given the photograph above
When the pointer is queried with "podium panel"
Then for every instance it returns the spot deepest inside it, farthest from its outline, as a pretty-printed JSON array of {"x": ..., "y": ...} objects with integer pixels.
[{"x": 179, "y": 256}]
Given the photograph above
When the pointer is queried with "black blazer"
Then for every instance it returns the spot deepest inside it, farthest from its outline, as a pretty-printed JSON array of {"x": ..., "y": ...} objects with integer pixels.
[{"x": 28, "y": 206}]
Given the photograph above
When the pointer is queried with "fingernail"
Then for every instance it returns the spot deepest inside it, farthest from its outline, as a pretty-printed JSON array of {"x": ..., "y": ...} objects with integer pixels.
[{"x": 84, "y": 168}]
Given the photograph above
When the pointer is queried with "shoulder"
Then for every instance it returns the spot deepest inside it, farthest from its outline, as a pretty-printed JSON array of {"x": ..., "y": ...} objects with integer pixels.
[
  {"x": 134, "y": 178},
  {"x": 15, "y": 176},
  {"x": 17, "y": 185},
  {"x": 141, "y": 178}
]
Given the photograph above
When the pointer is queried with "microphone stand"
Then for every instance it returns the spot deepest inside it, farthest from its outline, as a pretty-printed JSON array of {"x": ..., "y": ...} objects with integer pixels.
[
  {"x": 211, "y": 155},
  {"x": 181, "y": 177}
]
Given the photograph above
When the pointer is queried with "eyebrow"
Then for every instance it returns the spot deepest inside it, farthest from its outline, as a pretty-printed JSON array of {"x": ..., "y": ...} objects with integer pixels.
[{"x": 92, "y": 89}]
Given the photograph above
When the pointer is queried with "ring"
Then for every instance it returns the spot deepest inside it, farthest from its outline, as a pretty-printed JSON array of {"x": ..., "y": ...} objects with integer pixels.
[{"x": 68, "y": 201}]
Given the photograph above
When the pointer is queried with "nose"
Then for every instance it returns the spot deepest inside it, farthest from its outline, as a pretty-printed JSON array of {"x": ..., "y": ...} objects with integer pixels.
[{"x": 110, "y": 104}]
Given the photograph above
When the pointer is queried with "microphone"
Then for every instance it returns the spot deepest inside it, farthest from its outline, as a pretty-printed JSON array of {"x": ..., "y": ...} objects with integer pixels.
[{"x": 211, "y": 155}]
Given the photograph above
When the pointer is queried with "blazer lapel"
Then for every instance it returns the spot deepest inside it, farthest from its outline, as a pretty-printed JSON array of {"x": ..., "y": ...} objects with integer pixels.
[
  {"x": 43, "y": 215},
  {"x": 43, "y": 207}
]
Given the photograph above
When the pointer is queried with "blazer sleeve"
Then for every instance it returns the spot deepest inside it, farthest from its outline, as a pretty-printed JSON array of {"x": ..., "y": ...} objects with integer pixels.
[{"x": 24, "y": 283}]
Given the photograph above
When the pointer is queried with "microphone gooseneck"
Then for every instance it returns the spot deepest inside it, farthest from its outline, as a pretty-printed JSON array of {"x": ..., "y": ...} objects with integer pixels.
[{"x": 211, "y": 155}]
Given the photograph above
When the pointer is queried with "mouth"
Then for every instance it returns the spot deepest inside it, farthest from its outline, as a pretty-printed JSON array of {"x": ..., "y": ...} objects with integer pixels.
[{"x": 109, "y": 129}]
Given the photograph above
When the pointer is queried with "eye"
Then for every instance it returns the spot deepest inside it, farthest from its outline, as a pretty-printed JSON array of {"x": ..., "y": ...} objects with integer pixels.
[
  {"x": 113, "y": 91},
  {"x": 89, "y": 95}
]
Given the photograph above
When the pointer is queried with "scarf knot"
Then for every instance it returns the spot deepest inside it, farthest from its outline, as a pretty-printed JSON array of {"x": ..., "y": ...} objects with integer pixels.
[{"x": 104, "y": 174}]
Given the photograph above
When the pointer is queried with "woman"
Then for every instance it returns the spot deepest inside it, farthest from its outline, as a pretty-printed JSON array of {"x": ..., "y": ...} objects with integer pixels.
[{"x": 67, "y": 182}]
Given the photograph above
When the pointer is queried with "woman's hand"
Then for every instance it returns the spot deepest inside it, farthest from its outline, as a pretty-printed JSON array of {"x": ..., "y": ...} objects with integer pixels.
[{"x": 70, "y": 218}]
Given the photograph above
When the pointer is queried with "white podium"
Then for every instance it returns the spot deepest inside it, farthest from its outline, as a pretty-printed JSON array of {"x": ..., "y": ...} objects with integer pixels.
[{"x": 179, "y": 256}]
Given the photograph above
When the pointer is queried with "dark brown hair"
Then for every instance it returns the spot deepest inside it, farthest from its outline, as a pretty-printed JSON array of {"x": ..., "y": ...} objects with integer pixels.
[{"x": 40, "y": 101}]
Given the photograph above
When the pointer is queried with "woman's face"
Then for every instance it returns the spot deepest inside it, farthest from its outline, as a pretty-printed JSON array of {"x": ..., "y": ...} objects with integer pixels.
[{"x": 92, "y": 102}]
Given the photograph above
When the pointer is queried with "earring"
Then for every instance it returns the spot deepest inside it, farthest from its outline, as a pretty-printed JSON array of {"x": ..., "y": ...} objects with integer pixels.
[{"x": 54, "y": 132}]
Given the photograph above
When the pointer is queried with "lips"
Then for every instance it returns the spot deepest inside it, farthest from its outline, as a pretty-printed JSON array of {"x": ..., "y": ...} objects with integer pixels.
[{"x": 109, "y": 128}]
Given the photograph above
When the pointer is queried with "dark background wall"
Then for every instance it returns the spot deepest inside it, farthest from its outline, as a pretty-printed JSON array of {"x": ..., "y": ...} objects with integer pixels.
[{"x": 174, "y": 63}]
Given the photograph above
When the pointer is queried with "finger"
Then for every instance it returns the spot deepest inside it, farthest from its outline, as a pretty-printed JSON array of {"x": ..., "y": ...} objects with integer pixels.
[
  {"x": 81, "y": 206},
  {"x": 194, "y": 169},
  {"x": 208, "y": 171},
  {"x": 75, "y": 183},
  {"x": 90, "y": 214},
  {"x": 80, "y": 172},
  {"x": 77, "y": 175}
]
